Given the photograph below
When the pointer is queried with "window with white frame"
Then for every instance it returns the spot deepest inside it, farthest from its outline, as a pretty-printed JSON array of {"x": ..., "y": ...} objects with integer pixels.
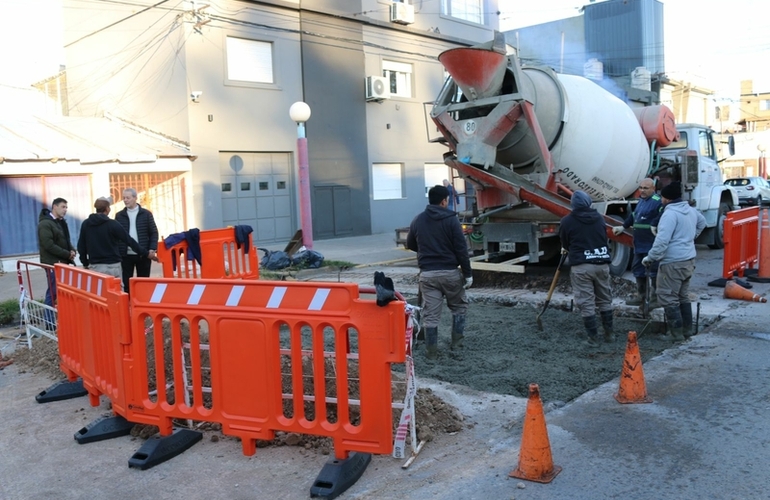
[
  {"x": 249, "y": 60},
  {"x": 400, "y": 77},
  {"x": 467, "y": 10},
  {"x": 387, "y": 181},
  {"x": 764, "y": 105}
]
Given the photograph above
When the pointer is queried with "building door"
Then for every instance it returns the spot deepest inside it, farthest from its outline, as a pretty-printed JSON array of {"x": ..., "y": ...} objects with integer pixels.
[
  {"x": 257, "y": 190},
  {"x": 335, "y": 218}
]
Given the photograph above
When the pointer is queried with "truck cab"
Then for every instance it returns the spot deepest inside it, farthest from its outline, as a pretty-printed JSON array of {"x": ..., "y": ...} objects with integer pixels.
[{"x": 693, "y": 161}]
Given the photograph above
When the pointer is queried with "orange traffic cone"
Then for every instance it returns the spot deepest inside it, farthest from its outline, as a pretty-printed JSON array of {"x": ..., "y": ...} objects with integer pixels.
[
  {"x": 535, "y": 461},
  {"x": 735, "y": 291},
  {"x": 632, "y": 386}
]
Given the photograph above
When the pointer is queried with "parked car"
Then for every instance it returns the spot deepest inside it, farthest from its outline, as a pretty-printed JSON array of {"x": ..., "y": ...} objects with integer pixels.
[{"x": 750, "y": 190}]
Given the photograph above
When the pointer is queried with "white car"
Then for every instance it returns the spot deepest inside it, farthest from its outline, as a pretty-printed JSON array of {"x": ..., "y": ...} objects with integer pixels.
[{"x": 750, "y": 190}]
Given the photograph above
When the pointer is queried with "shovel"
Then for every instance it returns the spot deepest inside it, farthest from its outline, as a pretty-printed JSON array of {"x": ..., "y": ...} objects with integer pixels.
[
  {"x": 647, "y": 293},
  {"x": 550, "y": 292}
]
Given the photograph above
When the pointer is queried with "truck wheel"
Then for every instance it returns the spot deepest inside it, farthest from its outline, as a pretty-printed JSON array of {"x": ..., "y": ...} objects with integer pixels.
[
  {"x": 719, "y": 230},
  {"x": 621, "y": 255}
]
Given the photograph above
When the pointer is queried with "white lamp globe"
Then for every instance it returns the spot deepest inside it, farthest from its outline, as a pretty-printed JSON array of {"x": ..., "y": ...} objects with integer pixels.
[{"x": 299, "y": 112}]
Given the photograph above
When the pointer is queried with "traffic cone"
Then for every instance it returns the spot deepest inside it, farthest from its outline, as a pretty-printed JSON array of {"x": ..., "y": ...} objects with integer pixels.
[
  {"x": 535, "y": 461},
  {"x": 632, "y": 386},
  {"x": 735, "y": 291}
]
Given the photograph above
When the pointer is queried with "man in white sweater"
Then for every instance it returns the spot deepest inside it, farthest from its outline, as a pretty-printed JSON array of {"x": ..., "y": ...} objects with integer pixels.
[{"x": 140, "y": 225}]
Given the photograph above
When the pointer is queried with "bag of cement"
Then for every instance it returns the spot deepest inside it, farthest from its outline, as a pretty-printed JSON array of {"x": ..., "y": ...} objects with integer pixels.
[{"x": 309, "y": 259}]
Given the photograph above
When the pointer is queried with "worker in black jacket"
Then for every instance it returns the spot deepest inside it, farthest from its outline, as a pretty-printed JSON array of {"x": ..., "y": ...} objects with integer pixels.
[
  {"x": 140, "y": 225},
  {"x": 99, "y": 238},
  {"x": 584, "y": 236},
  {"x": 438, "y": 239}
]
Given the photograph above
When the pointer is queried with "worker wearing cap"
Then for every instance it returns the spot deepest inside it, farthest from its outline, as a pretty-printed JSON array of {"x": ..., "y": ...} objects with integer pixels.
[
  {"x": 445, "y": 268},
  {"x": 644, "y": 219},
  {"x": 583, "y": 235},
  {"x": 674, "y": 249},
  {"x": 99, "y": 240}
]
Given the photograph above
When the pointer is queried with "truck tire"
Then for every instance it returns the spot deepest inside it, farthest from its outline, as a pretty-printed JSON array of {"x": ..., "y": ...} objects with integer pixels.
[
  {"x": 621, "y": 255},
  {"x": 719, "y": 230}
]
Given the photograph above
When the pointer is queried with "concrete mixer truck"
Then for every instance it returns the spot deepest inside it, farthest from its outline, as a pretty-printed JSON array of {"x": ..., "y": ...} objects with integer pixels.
[{"x": 527, "y": 137}]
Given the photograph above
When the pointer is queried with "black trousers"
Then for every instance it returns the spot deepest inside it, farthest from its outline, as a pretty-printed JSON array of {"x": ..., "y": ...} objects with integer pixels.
[{"x": 130, "y": 263}]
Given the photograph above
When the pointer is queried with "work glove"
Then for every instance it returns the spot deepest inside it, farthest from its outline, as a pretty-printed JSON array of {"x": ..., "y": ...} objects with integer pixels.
[
  {"x": 468, "y": 282},
  {"x": 616, "y": 230},
  {"x": 647, "y": 261},
  {"x": 385, "y": 289},
  {"x": 654, "y": 230},
  {"x": 564, "y": 251}
]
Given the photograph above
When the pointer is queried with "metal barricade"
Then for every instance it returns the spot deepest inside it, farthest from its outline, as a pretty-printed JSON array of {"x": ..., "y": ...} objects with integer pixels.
[
  {"x": 741, "y": 237},
  {"x": 35, "y": 282}
]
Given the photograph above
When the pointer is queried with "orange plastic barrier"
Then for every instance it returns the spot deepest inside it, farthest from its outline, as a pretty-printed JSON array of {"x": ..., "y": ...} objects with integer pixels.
[
  {"x": 262, "y": 356},
  {"x": 741, "y": 237},
  {"x": 93, "y": 326},
  {"x": 220, "y": 257}
]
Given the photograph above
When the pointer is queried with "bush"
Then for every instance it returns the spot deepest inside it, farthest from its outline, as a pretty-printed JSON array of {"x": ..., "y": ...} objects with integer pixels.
[{"x": 9, "y": 311}]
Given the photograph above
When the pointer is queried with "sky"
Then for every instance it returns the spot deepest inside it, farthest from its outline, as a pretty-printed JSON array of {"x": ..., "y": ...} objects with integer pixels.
[{"x": 720, "y": 42}]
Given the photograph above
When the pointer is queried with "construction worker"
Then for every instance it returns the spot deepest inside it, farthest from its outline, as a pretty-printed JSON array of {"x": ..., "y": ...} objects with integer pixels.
[
  {"x": 644, "y": 219},
  {"x": 438, "y": 239},
  {"x": 674, "y": 249},
  {"x": 583, "y": 236}
]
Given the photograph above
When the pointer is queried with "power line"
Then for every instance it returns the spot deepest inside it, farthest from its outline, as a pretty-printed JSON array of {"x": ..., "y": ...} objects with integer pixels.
[{"x": 116, "y": 23}]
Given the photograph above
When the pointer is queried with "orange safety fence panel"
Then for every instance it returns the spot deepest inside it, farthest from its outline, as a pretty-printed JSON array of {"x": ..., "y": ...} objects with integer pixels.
[
  {"x": 93, "y": 327},
  {"x": 741, "y": 238},
  {"x": 265, "y": 356},
  {"x": 221, "y": 257}
]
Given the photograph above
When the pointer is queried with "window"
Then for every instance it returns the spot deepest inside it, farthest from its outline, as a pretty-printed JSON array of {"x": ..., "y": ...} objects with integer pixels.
[
  {"x": 249, "y": 60},
  {"x": 706, "y": 147},
  {"x": 467, "y": 10},
  {"x": 764, "y": 105},
  {"x": 387, "y": 181},
  {"x": 400, "y": 77}
]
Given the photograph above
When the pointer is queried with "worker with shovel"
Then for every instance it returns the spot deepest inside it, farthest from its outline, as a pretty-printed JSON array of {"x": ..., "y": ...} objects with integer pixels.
[
  {"x": 644, "y": 219},
  {"x": 583, "y": 235}
]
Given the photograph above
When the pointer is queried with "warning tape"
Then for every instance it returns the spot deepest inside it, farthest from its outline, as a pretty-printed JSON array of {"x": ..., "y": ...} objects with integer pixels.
[{"x": 407, "y": 420}]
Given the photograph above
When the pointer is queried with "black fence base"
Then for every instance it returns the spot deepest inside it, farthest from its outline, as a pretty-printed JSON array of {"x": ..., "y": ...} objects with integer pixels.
[
  {"x": 104, "y": 428},
  {"x": 721, "y": 282},
  {"x": 158, "y": 449},
  {"x": 339, "y": 475},
  {"x": 61, "y": 391}
]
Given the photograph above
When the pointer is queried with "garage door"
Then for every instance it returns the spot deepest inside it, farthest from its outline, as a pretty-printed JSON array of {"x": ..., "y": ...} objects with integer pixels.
[{"x": 257, "y": 190}]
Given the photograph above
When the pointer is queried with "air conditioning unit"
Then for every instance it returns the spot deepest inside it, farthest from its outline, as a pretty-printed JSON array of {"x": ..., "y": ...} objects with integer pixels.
[
  {"x": 377, "y": 88},
  {"x": 401, "y": 13}
]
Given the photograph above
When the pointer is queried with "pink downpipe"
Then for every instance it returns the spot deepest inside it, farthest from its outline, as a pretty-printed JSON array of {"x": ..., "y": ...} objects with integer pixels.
[{"x": 306, "y": 219}]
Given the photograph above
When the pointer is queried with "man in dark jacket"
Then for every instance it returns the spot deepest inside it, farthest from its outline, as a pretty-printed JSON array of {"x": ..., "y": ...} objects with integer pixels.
[
  {"x": 438, "y": 239},
  {"x": 140, "y": 225},
  {"x": 55, "y": 247},
  {"x": 583, "y": 235},
  {"x": 99, "y": 239},
  {"x": 644, "y": 219}
]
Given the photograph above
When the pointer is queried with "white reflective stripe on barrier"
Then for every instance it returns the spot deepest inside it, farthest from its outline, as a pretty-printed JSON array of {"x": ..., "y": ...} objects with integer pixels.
[
  {"x": 195, "y": 296},
  {"x": 319, "y": 299},
  {"x": 276, "y": 297}
]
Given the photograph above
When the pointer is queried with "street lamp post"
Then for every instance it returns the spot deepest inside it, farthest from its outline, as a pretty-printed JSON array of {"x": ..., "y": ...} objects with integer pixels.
[
  {"x": 300, "y": 113},
  {"x": 762, "y": 161}
]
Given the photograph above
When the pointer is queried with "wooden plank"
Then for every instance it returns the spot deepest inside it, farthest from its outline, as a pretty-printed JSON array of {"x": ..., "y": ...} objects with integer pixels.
[
  {"x": 295, "y": 243},
  {"x": 501, "y": 267}
]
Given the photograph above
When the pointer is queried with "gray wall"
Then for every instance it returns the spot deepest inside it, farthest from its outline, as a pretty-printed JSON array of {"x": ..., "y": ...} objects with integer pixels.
[{"x": 558, "y": 44}]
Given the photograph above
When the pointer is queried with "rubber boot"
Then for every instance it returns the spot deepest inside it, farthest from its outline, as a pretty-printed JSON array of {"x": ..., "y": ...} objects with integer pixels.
[
  {"x": 458, "y": 327},
  {"x": 674, "y": 323},
  {"x": 609, "y": 334},
  {"x": 592, "y": 330},
  {"x": 431, "y": 342},
  {"x": 641, "y": 288},
  {"x": 685, "y": 308}
]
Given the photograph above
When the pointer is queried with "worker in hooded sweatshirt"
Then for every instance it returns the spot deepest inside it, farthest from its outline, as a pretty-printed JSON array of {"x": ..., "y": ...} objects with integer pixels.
[
  {"x": 438, "y": 239},
  {"x": 584, "y": 237},
  {"x": 674, "y": 248}
]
